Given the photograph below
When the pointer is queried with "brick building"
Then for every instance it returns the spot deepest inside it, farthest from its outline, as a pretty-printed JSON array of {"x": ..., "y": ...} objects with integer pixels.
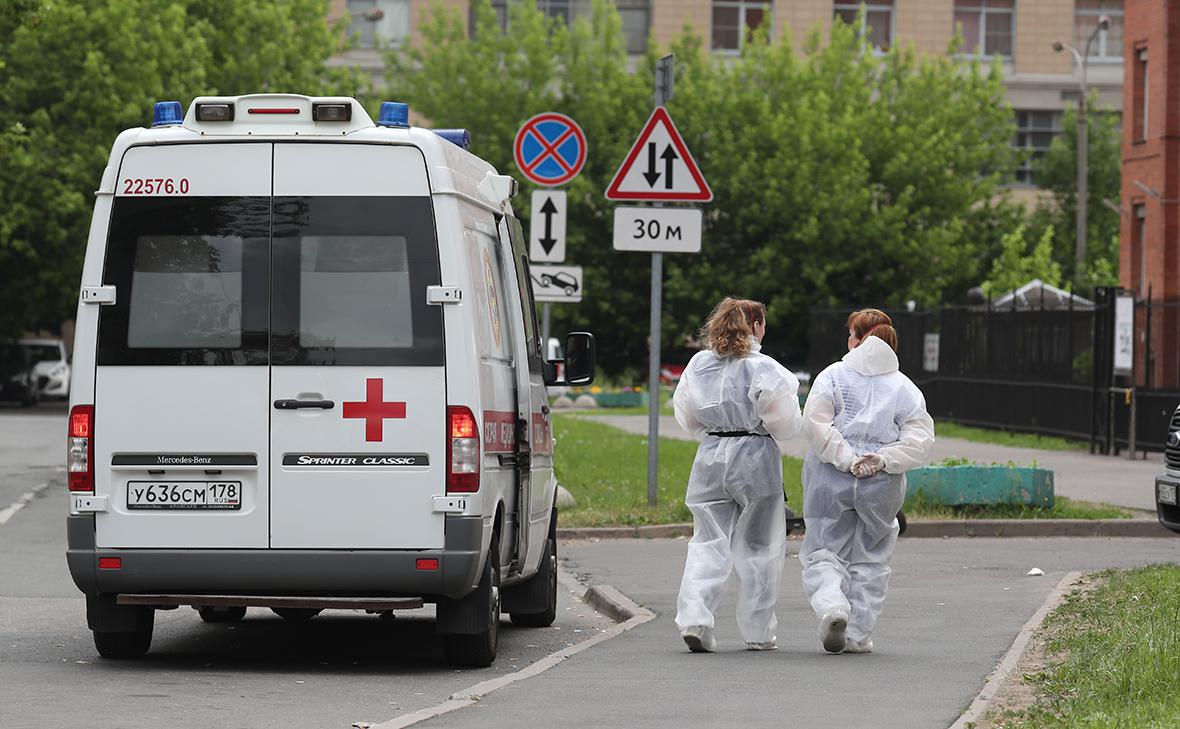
[
  {"x": 1150, "y": 231},
  {"x": 1041, "y": 82}
]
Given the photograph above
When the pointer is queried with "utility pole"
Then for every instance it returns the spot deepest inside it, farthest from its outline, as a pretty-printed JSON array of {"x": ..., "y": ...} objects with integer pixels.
[{"x": 1083, "y": 151}]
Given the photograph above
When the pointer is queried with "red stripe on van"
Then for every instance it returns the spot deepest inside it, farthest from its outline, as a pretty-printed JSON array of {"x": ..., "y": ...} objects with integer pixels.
[{"x": 499, "y": 431}]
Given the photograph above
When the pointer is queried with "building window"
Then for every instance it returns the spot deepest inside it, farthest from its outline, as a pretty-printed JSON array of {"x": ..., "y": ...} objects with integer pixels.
[
  {"x": 1109, "y": 43},
  {"x": 988, "y": 26},
  {"x": 1139, "y": 100},
  {"x": 734, "y": 20},
  {"x": 877, "y": 25},
  {"x": 1035, "y": 131},
  {"x": 1138, "y": 249},
  {"x": 392, "y": 29},
  {"x": 636, "y": 17}
]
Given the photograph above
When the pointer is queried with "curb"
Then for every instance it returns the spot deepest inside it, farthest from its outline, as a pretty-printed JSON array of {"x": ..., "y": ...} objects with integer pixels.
[
  {"x": 933, "y": 529},
  {"x": 999, "y": 675},
  {"x": 603, "y": 598}
]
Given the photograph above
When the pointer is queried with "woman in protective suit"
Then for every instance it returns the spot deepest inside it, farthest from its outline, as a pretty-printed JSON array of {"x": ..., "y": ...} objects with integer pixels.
[
  {"x": 867, "y": 425},
  {"x": 738, "y": 402}
]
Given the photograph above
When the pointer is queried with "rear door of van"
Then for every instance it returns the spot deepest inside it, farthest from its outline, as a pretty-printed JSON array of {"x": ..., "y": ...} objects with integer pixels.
[
  {"x": 358, "y": 418},
  {"x": 182, "y": 379}
]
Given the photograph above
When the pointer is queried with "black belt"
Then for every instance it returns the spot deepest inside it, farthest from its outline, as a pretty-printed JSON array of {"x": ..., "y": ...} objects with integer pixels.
[{"x": 737, "y": 434}]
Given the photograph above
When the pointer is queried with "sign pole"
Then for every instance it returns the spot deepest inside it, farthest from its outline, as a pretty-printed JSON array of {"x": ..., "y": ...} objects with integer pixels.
[{"x": 665, "y": 78}]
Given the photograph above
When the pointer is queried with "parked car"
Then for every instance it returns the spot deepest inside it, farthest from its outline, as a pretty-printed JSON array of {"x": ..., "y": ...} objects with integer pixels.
[
  {"x": 17, "y": 381},
  {"x": 51, "y": 366},
  {"x": 1167, "y": 483}
]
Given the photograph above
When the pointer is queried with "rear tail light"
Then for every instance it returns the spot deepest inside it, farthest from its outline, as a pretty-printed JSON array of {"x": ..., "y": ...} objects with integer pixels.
[
  {"x": 331, "y": 112},
  {"x": 80, "y": 456},
  {"x": 219, "y": 112},
  {"x": 462, "y": 450},
  {"x": 273, "y": 110},
  {"x": 427, "y": 565}
]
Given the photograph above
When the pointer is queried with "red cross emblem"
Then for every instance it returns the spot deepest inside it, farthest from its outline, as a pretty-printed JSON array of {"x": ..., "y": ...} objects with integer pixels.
[{"x": 374, "y": 410}]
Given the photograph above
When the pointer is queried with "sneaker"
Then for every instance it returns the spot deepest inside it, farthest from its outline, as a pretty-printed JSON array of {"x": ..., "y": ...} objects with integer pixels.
[
  {"x": 858, "y": 646},
  {"x": 831, "y": 631},
  {"x": 770, "y": 645},
  {"x": 699, "y": 639}
]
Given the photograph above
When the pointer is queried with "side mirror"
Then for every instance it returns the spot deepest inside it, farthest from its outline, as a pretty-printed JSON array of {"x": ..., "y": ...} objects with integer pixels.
[{"x": 578, "y": 362}]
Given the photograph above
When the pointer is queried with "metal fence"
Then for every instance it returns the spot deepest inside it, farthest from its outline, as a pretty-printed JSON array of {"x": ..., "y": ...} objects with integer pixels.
[{"x": 1039, "y": 369}]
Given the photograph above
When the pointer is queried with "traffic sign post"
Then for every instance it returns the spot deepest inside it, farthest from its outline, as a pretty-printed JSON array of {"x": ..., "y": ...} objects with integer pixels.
[
  {"x": 557, "y": 284},
  {"x": 547, "y": 229}
]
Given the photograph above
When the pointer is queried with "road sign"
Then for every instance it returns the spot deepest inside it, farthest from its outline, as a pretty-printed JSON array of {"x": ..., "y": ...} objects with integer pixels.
[
  {"x": 558, "y": 284},
  {"x": 658, "y": 230},
  {"x": 550, "y": 149},
  {"x": 547, "y": 229},
  {"x": 1124, "y": 335},
  {"x": 659, "y": 166}
]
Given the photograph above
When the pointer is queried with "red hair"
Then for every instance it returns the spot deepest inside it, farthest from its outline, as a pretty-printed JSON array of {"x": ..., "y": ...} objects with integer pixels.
[{"x": 872, "y": 323}]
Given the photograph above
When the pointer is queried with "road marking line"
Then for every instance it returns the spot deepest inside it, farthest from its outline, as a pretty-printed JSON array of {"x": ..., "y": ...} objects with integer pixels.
[
  {"x": 472, "y": 694},
  {"x": 25, "y": 498},
  {"x": 1001, "y": 672}
]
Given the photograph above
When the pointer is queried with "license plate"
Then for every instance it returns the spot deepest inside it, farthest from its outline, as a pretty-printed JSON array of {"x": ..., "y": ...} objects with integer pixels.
[
  {"x": 185, "y": 495},
  {"x": 1166, "y": 492}
]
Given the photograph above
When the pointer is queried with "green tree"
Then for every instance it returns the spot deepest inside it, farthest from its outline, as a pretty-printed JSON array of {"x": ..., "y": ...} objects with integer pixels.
[
  {"x": 1017, "y": 265},
  {"x": 74, "y": 73},
  {"x": 836, "y": 180},
  {"x": 1057, "y": 172}
]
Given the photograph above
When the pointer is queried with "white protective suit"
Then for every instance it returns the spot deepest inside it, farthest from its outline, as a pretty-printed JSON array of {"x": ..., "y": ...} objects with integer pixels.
[
  {"x": 858, "y": 406},
  {"x": 735, "y": 491}
]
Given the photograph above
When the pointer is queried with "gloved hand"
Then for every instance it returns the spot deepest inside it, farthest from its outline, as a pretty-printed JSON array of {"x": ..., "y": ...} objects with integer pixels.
[{"x": 869, "y": 465}]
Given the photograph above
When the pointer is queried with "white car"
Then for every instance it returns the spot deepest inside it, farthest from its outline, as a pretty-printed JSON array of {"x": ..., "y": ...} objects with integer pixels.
[
  {"x": 307, "y": 375},
  {"x": 51, "y": 366}
]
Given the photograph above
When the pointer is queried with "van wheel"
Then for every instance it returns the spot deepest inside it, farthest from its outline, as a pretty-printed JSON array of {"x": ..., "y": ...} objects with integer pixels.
[
  {"x": 478, "y": 650},
  {"x": 127, "y": 644},
  {"x": 296, "y": 615},
  {"x": 547, "y": 577},
  {"x": 211, "y": 614}
]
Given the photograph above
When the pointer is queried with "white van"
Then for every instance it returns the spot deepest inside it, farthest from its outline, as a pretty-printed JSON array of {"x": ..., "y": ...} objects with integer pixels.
[{"x": 307, "y": 374}]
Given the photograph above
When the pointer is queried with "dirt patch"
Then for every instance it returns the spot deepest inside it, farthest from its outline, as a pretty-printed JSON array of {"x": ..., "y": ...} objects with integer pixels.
[{"x": 1021, "y": 691}]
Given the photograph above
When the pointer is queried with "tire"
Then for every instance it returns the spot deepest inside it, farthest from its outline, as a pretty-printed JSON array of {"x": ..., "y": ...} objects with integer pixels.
[
  {"x": 296, "y": 615},
  {"x": 546, "y": 280},
  {"x": 546, "y": 575},
  {"x": 129, "y": 644},
  {"x": 569, "y": 290},
  {"x": 211, "y": 614},
  {"x": 478, "y": 650}
]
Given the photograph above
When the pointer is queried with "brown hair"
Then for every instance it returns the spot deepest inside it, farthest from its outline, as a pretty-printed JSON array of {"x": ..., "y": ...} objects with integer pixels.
[
  {"x": 873, "y": 323},
  {"x": 730, "y": 326}
]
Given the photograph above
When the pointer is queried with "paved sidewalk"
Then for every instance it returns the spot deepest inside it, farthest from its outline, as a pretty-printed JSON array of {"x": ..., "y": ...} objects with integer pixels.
[
  {"x": 1077, "y": 474},
  {"x": 954, "y": 608}
]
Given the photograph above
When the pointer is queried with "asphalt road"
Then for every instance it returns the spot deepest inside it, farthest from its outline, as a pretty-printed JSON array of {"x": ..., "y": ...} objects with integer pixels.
[
  {"x": 341, "y": 668},
  {"x": 954, "y": 608}
]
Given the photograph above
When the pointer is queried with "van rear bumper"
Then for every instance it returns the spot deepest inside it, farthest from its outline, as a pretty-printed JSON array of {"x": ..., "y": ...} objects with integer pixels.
[{"x": 326, "y": 572}]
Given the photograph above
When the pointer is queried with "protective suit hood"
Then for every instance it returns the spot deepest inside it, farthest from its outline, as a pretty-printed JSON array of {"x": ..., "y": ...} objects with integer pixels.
[{"x": 872, "y": 357}]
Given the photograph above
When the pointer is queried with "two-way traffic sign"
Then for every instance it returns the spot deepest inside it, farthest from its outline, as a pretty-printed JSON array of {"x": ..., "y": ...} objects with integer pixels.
[
  {"x": 547, "y": 229},
  {"x": 659, "y": 167}
]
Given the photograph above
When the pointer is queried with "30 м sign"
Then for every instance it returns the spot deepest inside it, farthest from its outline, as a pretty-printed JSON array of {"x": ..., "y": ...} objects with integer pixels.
[{"x": 662, "y": 230}]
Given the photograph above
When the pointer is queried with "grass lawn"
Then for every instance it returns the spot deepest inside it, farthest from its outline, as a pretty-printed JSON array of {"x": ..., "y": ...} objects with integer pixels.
[
  {"x": 946, "y": 429},
  {"x": 606, "y": 471},
  {"x": 1114, "y": 656}
]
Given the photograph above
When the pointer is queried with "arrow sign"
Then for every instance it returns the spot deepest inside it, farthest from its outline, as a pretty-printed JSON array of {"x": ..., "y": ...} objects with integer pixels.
[
  {"x": 678, "y": 179},
  {"x": 547, "y": 227}
]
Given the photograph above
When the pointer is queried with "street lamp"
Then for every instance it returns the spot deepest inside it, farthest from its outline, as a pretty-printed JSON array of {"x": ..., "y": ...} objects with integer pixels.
[{"x": 1083, "y": 138}]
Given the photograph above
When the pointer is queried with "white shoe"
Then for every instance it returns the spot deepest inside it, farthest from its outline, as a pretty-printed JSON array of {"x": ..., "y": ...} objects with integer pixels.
[
  {"x": 770, "y": 645},
  {"x": 831, "y": 631},
  {"x": 699, "y": 639},
  {"x": 858, "y": 646}
]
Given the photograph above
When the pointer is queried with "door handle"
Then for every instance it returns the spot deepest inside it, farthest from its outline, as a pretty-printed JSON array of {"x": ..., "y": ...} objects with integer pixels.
[{"x": 299, "y": 404}]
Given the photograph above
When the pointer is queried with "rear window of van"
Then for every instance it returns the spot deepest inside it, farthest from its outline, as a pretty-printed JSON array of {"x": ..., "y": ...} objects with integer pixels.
[{"x": 260, "y": 280}]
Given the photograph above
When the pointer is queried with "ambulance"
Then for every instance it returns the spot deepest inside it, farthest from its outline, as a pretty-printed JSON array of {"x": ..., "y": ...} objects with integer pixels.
[{"x": 308, "y": 375}]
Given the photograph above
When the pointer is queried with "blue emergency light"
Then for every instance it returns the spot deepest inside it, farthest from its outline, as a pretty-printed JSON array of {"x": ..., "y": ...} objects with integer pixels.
[
  {"x": 394, "y": 114},
  {"x": 459, "y": 137},
  {"x": 167, "y": 113}
]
